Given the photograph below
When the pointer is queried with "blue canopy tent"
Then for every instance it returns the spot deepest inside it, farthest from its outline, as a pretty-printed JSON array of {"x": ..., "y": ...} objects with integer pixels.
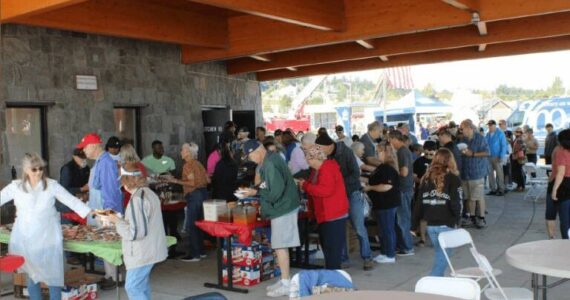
[{"x": 408, "y": 108}]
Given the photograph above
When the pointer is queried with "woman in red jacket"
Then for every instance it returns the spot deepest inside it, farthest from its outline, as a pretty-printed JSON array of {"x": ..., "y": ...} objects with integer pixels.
[{"x": 325, "y": 188}]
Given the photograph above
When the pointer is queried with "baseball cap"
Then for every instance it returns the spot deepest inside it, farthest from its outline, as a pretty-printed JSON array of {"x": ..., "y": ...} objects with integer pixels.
[
  {"x": 324, "y": 140},
  {"x": 250, "y": 146},
  {"x": 88, "y": 139},
  {"x": 243, "y": 129},
  {"x": 339, "y": 128},
  {"x": 113, "y": 142}
]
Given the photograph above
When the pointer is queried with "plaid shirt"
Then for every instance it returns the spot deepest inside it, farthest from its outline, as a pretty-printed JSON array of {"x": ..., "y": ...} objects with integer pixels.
[{"x": 473, "y": 168}]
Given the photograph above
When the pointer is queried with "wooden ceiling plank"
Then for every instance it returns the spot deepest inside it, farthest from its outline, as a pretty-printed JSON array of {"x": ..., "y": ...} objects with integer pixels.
[
  {"x": 316, "y": 14},
  {"x": 365, "y": 19},
  {"x": 139, "y": 20},
  {"x": 467, "y": 5},
  {"x": 506, "y": 49},
  {"x": 499, "y": 32},
  {"x": 11, "y": 10}
]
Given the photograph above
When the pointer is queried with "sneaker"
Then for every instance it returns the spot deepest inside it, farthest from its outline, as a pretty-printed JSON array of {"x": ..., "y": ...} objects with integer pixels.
[
  {"x": 406, "y": 253},
  {"x": 491, "y": 193},
  {"x": 107, "y": 284},
  {"x": 190, "y": 258},
  {"x": 273, "y": 286},
  {"x": 499, "y": 194},
  {"x": 480, "y": 223},
  {"x": 345, "y": 265},
  {"x": 467, "y": 223},
  {"x": 368, "y": 264},
  {"x": 421, "y": 243},
  {"x": 383, "y": 259},
  {"x": 282, "y": 290}
]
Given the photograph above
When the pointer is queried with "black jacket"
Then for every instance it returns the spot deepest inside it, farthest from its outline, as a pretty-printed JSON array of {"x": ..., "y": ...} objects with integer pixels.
[
  {"x": 550, "y": 143},
  {"x": 456, "y": 154},
  {"x": 440, "y": 208},
  {"x": 348, "y": 167},
  {"x": 224, "y": 180}
]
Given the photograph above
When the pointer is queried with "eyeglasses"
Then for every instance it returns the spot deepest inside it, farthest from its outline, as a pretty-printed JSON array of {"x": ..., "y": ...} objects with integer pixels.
[{"x": 38, "y": 169}]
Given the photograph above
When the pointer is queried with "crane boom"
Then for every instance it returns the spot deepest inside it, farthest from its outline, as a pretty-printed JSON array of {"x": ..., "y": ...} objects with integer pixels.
[{"x": 303, "y": 96}]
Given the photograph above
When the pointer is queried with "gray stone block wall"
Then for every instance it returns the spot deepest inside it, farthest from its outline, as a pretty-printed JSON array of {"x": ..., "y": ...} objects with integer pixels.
[{"x": 40, "y": 64}]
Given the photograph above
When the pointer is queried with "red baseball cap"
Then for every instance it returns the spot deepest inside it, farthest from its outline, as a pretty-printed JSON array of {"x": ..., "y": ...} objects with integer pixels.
[{"x": 88, "y": 139}]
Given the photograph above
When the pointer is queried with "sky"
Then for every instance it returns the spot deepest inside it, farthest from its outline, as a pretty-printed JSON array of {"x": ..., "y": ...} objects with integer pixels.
[{"x": 531, "y": 71}]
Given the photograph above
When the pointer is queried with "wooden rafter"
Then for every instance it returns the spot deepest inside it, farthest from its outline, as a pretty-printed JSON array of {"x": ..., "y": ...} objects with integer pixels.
[
  {"x": 137, "y": 19},
  {"x": 316, "y": 14},
  {"x": 514, "y": 48},
  {"x": 11, "y": 10},
  {"x": 365, "y": 19},
  {"x": 500, "y": 32}
]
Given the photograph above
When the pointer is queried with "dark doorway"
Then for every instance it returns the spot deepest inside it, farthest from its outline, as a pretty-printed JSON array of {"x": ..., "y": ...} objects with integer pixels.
[
  {"x": 214, "y": 119},
  {"x": 245, "y": 118}
]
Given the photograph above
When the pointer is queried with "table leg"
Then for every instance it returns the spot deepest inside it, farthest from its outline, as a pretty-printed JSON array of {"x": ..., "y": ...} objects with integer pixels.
[
  {"x": 117, "y": 272},
  {"x": 534, "y": 284},
  {"x": 544, "y": 287}
]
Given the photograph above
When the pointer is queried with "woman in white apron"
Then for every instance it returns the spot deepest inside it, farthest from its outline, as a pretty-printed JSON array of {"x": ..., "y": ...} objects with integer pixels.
[{"x": 36, "y": 234}]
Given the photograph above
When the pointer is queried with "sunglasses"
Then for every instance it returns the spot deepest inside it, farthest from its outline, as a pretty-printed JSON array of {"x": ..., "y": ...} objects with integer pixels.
[{"x": 39, "y": 169}]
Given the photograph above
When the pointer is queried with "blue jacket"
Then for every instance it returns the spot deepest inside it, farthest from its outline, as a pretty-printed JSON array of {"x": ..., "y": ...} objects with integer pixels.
[
  {"x": 497, "y": 143},
  {"x": 104, "y": 184}
]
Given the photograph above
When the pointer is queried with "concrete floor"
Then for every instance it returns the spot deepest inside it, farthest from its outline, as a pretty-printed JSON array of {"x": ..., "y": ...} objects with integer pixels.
[{"x": 511, "y": 221}]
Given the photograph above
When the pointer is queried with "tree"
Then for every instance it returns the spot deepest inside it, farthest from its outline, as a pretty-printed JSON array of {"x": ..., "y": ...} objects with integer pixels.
[
  {"x": 428, "y": 90},
  {"x": 557, "y": 88}
]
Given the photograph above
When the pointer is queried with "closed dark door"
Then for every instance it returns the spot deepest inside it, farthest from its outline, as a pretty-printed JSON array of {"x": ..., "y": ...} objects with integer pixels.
[
  {"x": 214, "y": 120},
  {"x": 245, "y": 118}
]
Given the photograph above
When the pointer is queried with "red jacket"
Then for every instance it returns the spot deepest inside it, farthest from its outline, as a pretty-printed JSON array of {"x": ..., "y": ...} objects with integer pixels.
[{"x": 327, "y": 194}]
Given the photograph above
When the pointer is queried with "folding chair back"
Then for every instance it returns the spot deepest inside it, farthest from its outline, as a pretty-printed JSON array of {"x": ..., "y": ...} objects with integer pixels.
[{"x": 462, "y": 288}]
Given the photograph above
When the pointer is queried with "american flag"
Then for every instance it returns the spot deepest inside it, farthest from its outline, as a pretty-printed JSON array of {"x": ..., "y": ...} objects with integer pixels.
[{"x": 400, "y": 78}]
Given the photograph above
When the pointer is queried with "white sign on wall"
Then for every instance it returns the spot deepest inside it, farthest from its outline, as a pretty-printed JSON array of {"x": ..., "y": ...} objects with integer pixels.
[{"x": 86, "y": 82}]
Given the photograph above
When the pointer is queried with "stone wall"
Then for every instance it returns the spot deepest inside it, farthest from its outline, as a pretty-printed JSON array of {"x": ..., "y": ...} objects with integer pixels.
[{"x": 39, "y": 65}]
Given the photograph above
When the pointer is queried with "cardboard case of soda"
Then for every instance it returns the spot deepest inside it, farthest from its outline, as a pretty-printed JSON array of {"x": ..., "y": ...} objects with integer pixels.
[{"x": 78, "y": 285}]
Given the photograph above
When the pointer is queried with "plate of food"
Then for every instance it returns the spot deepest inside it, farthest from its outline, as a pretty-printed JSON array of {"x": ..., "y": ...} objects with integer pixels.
[
  {"x": 462, "y": 146},
  {"x": 104, "y": 212}
]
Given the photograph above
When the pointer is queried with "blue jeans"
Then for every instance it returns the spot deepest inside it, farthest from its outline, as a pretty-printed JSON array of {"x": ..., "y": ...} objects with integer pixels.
[
  {"x": 439, "y": 261},
  {"x": 195, "y": 212},
  {"x": 564, "y": 216},
  {"x": 332, "y": 242},
  {"x": 35, "y": 291},
  {"x": 404, "y": 220},
  {"x": 356, "y": 213},
  {"x": 386, "y": 219},
  {"x": 137, "y": 283}
]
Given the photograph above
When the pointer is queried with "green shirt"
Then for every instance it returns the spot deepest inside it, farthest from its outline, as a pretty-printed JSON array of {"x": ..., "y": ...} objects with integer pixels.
[
  {"x": 278, "y": 192},
  {"x": 159, "y": 166}
]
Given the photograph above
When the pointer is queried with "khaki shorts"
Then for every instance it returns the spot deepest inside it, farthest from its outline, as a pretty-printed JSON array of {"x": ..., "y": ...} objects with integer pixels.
[
  {"x": 285, "y": 232},
  {"x": 473, "y": 190}
]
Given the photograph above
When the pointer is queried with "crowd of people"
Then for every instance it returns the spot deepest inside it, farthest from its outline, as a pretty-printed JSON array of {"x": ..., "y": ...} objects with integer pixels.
[{"x": 413, "y": 192}]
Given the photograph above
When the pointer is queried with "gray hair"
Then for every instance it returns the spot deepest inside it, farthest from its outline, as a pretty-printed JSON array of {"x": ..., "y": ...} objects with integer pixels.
[
  {"x": 309, "y": 138},
  {"x": 375, "y": 126},
  {"x": 192, "y": 148},
  {"x": 31, "y": 161},
  {"x": 468, "y": 122},
  {"x": 128, "y": 154},
  {"x": 356, "y": 146}
]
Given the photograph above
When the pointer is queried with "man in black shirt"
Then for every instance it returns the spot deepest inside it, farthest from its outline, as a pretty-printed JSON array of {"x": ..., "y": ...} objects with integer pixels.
[
  {"x": 446, "y": 140},
  {"x": 550, "y": 143},
  {"x": 74, "y": 175},
  {"x": 369, "y": 139}
]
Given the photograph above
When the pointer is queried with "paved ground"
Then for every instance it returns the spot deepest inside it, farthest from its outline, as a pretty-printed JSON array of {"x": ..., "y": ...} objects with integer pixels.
[{"x": 511, "y": 221}]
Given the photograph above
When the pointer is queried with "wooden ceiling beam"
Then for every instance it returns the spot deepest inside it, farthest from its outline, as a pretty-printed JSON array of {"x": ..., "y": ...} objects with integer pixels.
[
  {"x": 499, "y": 32},
  {"x": 139, "y": 20},
  {"x": 365, "y": 19},
  {"x": 316, "y": 14},
  {"x": 514, "y": 48},
  {"x": 11, "y": 10}
]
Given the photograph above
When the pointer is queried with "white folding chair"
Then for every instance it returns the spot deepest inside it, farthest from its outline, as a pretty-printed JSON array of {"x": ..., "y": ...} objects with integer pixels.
[
  {"x": 455, "y": 239},
  {"x": 462, "y": 288},
  {"x": 496, "y": 292},
  {"x": 536, "y": 185}
]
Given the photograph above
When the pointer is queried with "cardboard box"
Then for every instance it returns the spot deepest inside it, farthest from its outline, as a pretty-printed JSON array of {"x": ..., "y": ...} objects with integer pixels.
[
  {"x": 246, "y": 276},
  {"x": 78, "y": 285},
  {"x": 245, "y": 255}
]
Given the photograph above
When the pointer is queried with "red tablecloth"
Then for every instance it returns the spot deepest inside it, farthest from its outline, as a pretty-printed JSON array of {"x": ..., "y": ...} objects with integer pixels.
[
  {"x": 224, "y": 229},
  {"x": 10, "y": 263},
  {"x": 71, "y": 216},
  {"x": 173, "y": 206}
]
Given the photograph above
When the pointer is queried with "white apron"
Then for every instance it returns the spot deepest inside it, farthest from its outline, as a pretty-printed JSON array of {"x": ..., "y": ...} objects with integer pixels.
[{"x": 36, "y": 234}]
